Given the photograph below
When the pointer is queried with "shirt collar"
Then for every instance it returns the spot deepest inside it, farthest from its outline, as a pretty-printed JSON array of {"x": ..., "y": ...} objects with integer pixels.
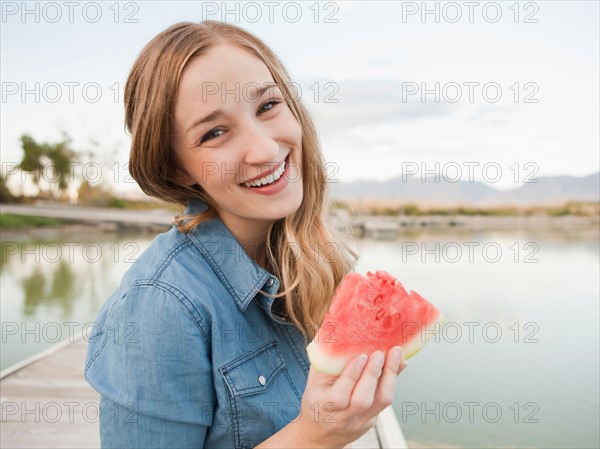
[{"x": 238, "y": 272}]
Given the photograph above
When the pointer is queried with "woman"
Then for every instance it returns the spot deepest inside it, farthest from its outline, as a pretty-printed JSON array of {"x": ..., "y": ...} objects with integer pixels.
[{"x": 203, "y": 344}]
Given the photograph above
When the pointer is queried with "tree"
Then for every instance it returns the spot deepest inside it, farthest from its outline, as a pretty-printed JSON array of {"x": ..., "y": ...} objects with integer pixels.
[
  {"x": 5, "y": 195},
  {"x": 62, "y": 157},
  {"x": 32, "y": 157},
  {"x": 51, "y": 162}
]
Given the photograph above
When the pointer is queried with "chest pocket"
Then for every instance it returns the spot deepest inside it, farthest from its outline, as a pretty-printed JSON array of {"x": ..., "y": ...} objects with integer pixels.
[{"x": 261, "y": 395}]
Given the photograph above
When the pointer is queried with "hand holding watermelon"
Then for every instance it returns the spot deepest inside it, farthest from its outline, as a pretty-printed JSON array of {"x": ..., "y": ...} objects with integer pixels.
[
  {"x": 345, "y": 389},
  {"x": 370, "y": 313},
  {"x": 336, "y": 410}
]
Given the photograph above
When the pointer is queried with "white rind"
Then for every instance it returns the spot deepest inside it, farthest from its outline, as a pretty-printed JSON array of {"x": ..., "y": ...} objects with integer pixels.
[
  {"x": 323, "y": 362},
  {"x": 410, "y": 349}
]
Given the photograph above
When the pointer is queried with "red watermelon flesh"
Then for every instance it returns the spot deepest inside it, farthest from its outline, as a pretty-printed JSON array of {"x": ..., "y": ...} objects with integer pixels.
[{"x": 370, "y": 313}]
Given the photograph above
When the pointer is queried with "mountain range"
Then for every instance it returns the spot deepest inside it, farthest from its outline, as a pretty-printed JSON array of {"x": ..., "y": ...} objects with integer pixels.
[{"x": 549, "y": 190}]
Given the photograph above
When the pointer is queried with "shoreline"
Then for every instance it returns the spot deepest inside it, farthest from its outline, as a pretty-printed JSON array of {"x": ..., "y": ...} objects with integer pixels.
[
  {"x": 359, "y": 225},
  {"x": 76, "y": 229},
  {"x": 59, "y": 220}
]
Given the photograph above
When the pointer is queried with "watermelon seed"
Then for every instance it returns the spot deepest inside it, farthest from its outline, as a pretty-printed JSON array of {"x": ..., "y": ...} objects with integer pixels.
[{"x": 380, "y": 313}]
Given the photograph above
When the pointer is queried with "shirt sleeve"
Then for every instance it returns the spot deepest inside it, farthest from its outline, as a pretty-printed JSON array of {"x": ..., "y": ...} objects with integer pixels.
[{"x": 150, "y": 362}]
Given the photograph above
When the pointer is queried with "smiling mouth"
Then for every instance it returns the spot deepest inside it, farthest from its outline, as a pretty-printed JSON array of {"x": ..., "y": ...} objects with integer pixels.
[{"x": 269, "y": 179}]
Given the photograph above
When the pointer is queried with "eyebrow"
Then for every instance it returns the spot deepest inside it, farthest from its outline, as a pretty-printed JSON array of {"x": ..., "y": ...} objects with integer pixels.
[{"x": 219, "y": 112}]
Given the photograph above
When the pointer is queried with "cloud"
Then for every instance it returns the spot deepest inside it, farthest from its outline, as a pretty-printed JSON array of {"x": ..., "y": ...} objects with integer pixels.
[
  {"x": 347, "y": 104},
  {"x": 492, "y": 114}
]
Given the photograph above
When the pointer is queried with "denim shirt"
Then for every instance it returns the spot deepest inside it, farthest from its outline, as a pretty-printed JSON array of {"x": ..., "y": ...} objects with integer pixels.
[{"x": 187, "y": 354}]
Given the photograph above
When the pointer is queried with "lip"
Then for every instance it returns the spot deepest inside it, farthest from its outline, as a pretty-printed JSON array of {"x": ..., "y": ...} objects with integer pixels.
[
  {"x": 274, "y": 188},
  {"x": 265, "y": 173}
]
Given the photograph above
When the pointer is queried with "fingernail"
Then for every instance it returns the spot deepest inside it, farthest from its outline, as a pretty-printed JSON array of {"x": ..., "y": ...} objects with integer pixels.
[
  {"x": 361, "y": 362},
  {"x": 397, "y": 354},
  {"x": 378, "y": 358}
]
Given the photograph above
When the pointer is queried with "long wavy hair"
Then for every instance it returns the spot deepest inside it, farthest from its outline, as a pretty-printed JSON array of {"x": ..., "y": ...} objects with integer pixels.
[{"x": 306, "y": 253}]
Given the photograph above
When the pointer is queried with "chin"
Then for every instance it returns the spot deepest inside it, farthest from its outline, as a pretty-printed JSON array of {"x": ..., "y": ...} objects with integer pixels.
[{"x": 288, "y": 209}]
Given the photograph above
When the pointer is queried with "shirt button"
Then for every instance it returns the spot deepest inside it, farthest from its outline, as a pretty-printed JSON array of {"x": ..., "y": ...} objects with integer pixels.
[
  {"x": 262, "y": 380},
  {"x": 269, "y": 282}
]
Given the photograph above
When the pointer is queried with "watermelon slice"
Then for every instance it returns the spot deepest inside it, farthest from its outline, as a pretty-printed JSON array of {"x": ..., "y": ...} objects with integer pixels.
[{"x": 370, "y": 313}]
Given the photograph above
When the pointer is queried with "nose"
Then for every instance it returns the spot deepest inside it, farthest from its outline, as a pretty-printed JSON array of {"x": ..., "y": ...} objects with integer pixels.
[{"x": 259, "y": 147}]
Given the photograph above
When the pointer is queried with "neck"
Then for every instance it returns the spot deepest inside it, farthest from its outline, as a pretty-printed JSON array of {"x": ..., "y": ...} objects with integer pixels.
[
  {"x": 252, "y": 239},
  {"x": 256, "y": 249}
]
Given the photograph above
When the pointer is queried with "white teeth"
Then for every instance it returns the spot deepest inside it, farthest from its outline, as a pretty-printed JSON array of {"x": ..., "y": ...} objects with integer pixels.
[{"x": 269, "y": 179}]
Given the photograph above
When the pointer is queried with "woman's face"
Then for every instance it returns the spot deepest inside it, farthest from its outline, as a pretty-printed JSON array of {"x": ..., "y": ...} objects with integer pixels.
[{"x": 225, "y": 135}]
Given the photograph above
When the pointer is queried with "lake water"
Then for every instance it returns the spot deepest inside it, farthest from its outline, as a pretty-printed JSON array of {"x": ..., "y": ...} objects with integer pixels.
[
  {"x": 53, "y": 286},
  {"x": 516, "y": 363}
]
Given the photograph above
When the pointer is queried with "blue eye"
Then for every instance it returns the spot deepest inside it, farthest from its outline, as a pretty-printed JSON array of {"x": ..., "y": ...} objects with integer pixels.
[
  {"x": 272, "y": 102},
  {"x": 206, "y": 136},
  {"x": 211, "y": 134}
]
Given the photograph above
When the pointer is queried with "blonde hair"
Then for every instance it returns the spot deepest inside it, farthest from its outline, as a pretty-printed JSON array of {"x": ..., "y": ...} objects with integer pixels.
[{"x": 306, "y": 253}]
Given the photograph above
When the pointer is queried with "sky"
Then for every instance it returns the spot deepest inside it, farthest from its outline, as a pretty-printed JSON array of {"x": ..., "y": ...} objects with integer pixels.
[{"x": 501, "y": 92}]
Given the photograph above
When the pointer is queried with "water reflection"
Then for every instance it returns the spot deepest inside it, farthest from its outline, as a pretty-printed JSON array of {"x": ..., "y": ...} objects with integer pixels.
[
  {"x": 559, "y": 293},
  {"x": 62, "y": 290},
  {"x": 59, "y": 292},
  {"x": 59, "y": 280},
  {"x": 33, "y": 291}
]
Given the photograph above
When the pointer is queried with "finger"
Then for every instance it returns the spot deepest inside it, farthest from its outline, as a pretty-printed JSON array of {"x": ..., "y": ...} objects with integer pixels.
[
  {"x": 403, "y": 365},
  {"x": 344, "y": 385},
  {"x": 363, "y": 394},
  {"x": 384, "y": 395}
]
